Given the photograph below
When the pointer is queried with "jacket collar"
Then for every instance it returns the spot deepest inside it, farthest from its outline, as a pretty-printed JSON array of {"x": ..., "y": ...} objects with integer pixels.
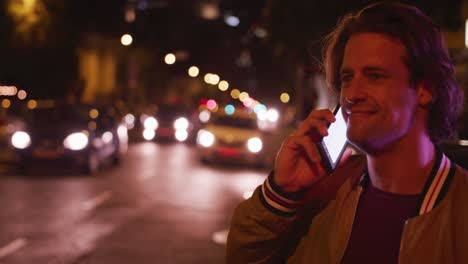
[{"x": 436, "y": 185}]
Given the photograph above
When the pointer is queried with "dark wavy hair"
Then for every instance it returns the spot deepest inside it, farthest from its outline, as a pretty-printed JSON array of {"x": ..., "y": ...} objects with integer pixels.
[{"x": 426, "y": 57}]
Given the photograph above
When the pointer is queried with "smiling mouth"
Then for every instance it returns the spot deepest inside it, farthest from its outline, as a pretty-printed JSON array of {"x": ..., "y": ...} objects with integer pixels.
[
  {"x": 360, "y": 113},
  {"x": 360, "y": 110}
]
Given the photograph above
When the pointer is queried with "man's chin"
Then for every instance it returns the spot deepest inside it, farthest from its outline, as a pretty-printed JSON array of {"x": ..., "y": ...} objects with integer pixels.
[
  {"x": 355, "y": 137},
  {"x": 360, "y": 141}
]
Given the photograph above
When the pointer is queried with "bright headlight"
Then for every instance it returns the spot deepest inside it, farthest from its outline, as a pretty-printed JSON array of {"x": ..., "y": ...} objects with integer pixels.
[
  {"x": 129, "y": 120},
  {"x": 76, "y": 141},
  {"x": 151, "y": 123},
  {"x": 254, "y": 145},
  {"x": 204, "y": 116},
  {"x": 21, "y": 140},
  {"x": 107, "y": 137},
  {"x": 272, "y": 115},
  {"x": 122, "y": 132},
  {"x": 181, "y": 123},
  {"x": 181, "y": 135},
  {"x": 149, "y": 134},
  {"x": 205, "y": 138}
]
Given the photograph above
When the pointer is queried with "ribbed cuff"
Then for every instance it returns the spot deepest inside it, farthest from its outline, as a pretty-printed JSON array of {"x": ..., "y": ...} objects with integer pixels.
[{"x": 278, "y": 201}]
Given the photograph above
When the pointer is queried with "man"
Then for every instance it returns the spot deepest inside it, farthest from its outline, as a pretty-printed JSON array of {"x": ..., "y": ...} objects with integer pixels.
[{"x": 403, "y": 201}]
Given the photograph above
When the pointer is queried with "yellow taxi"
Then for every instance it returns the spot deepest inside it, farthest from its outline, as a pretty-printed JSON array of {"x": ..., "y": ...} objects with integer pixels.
[{"x": 232, "y": 138}]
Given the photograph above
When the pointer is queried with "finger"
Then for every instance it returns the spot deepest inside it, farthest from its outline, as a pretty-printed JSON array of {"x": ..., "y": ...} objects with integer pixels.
[
  {"x": 317, "y": 121},
  {"x": 322, "y": 114},
  {"x": 305, "y": 144},
  {"x": 308, "y": 126}
]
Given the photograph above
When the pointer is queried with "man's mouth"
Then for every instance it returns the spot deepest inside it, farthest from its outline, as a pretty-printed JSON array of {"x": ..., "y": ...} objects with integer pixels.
[{"x": 360, "y": 112}]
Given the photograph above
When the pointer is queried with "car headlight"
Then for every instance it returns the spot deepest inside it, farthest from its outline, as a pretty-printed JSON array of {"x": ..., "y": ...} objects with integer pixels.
[
  {"x": 181, "y": 135},
  {"x": 107, "y": 137},
  {"x": 272, "y": 115},
  {"x": 205, "y": 138},
  {"x": 254, "y": 145},
  {"x": 21, "y": 140},
  {"x": 129, "y": 120},
  {"x": 149, "y": 134},
  {"x": 122, "y": 132},
  {"x": 151, "y": 123},
  {"x": 76, "y": 141},
  {"x": 204, "y": 116},
  {"x": 181, "y": 123}
]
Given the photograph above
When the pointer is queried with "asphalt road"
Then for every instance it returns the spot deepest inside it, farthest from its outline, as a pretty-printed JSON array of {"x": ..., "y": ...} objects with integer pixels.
[{"x": 159, "y": 206}]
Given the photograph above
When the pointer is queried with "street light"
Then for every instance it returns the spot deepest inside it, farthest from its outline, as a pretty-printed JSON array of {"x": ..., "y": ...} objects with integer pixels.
[
  {"x": 223, "y": 85},
  {"x": 126, "y": 39},
  {"x": 170, "y": 59},
  {"x": 214, "y": 79},
  {"x": 235, "y": 93},
  {"x": 207, "y": 78},
  {"x": 284, "y": 97},
  {"x": 193, "y": 71},
  {"x": 243, "y": 96},
  {"x": 231, "y": 20},
  {"x": 22, "y": 94},
  {"x": 6, "y": 103}
]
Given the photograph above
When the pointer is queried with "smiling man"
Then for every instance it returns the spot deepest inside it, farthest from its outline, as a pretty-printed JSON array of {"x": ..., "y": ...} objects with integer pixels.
[{"x": 403, "y": 201}]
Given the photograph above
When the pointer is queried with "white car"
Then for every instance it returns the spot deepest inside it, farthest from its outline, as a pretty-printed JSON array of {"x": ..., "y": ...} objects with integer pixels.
[{"x": 232, "y": 139}]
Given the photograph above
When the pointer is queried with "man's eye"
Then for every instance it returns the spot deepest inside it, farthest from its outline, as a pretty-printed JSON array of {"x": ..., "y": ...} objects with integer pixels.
[
  {"x": 375, "y": 76},
  {"x": 345, "y": 78}
]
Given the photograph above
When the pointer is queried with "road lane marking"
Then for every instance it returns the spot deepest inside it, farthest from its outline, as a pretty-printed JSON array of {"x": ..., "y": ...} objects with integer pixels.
[
  {"x": 220, "y": 237},
  {"x": 97, "y": 200},
  {"x": 12, "y": 247}
]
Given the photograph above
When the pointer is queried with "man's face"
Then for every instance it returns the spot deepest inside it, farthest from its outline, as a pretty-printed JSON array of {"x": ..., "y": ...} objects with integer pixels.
[{"x": 378, "y": 100}]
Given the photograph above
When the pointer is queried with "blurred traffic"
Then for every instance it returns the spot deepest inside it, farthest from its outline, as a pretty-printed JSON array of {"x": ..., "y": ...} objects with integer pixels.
[
  {"x": 88, "y": 136},
  {"x": 165, "y": 122},
  {"x": 55, "y": 131}
]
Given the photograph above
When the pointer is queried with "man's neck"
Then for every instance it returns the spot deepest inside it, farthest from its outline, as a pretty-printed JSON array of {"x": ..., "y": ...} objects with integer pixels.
[{"x": 403, "y": 168}]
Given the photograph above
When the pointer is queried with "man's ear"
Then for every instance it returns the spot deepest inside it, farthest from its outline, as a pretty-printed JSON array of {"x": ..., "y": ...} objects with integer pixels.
[{"x": 424, "y": 94}]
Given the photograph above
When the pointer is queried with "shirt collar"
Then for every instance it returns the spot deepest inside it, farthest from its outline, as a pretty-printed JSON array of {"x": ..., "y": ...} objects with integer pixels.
[{"x": 436, "y": 185}]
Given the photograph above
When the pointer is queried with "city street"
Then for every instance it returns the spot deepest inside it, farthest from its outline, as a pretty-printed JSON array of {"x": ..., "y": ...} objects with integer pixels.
[{"x": 161, "y": 205}]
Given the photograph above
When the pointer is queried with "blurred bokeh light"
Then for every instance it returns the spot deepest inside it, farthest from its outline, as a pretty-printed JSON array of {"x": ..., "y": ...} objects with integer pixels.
[{"x": 126, "y": 39}]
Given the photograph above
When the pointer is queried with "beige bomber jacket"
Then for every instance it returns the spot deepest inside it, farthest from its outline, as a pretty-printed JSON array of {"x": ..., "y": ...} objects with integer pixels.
[{"x": 263, "y": 230}]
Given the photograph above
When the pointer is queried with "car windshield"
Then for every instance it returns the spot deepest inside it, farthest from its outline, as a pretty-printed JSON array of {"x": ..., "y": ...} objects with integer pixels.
[
  {"x": 235, "y": 122},
  {"x": 63, "y": 114}
]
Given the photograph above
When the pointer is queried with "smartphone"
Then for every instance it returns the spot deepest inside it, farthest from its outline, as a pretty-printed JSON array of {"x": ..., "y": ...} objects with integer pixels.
[{"x": 333, "y": 145}]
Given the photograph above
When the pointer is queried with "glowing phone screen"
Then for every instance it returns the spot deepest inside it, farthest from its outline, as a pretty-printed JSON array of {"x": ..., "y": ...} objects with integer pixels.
[{"x": 336, "y": 139}]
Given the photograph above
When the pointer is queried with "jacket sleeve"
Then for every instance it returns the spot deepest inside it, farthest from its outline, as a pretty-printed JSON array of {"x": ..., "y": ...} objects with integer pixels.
[
  {"x": 267, "y": 227},
  {"x": 261, "y": 226}
]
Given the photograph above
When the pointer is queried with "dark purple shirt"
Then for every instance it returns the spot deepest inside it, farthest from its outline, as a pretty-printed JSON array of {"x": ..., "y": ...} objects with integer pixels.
[{"x": 378, "y": 226}]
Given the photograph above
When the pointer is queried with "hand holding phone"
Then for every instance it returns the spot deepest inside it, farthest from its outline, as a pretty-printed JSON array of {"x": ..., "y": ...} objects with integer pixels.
[{"x": 305, "y": 157}]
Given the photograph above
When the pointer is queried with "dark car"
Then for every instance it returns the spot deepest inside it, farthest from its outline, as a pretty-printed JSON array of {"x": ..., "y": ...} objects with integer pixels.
[
  {"x": 78, "y": 133},
  {"x": 9, "y": 123},
  {"x": 170, "y": 122}
]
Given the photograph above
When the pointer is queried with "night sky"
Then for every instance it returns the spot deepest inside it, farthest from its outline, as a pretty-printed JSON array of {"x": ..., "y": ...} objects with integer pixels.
[{"x": 294, "y": 27}]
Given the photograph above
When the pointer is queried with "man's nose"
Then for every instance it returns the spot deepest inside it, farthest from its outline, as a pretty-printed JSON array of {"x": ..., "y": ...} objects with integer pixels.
[{"x": 355, "y": 91}]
